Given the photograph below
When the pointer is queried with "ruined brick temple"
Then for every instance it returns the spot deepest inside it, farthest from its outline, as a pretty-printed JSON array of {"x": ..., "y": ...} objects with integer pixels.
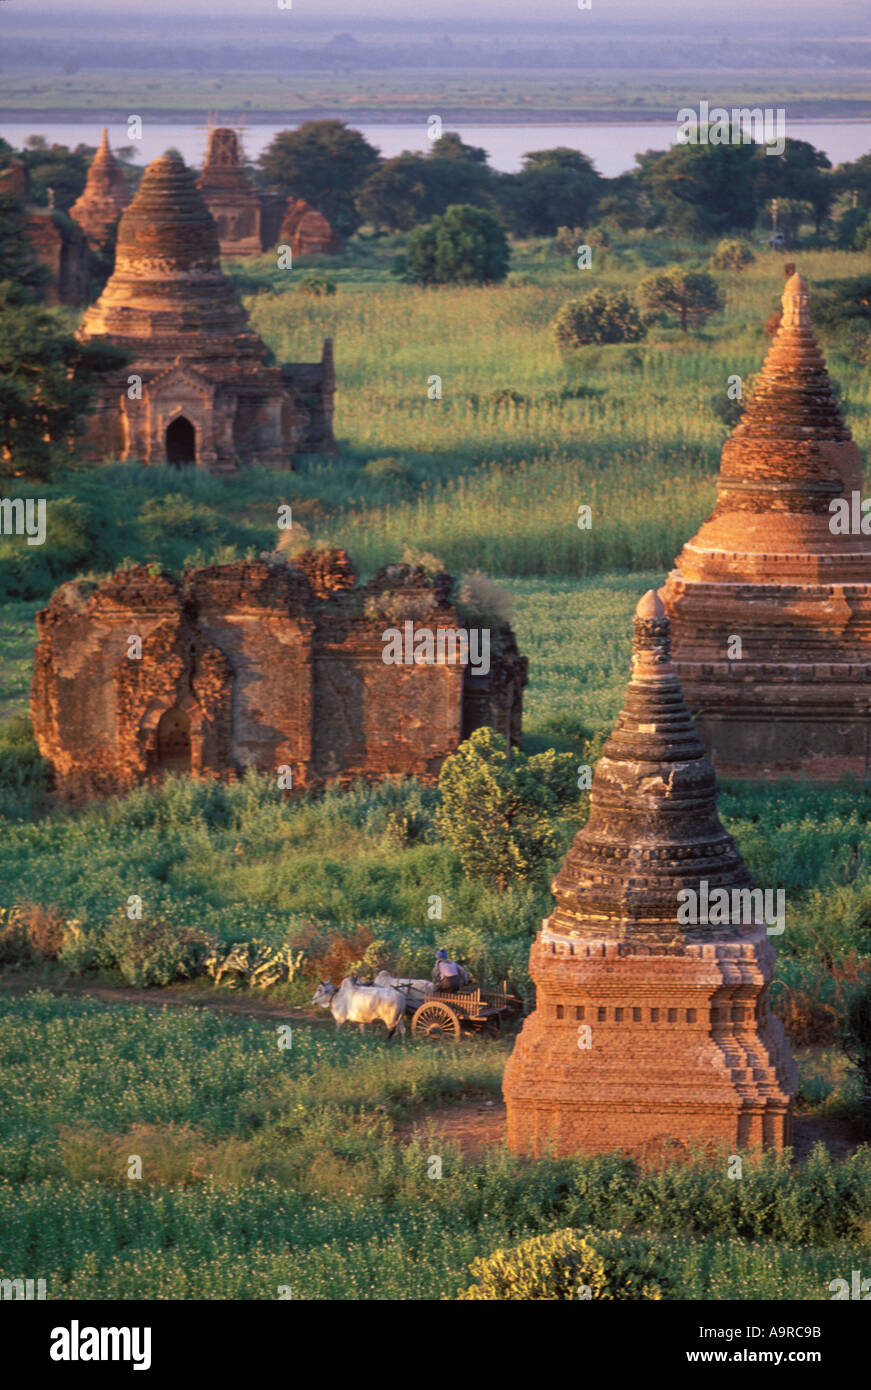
[
  {"x": 306, "y": 231},
  {"x": 200, "y": 388},
  {"x": 250, "y": 221},
  {"x": 793, "y": 694},
  {"x": 59, "y": 244},
  {"x": 105, "y": 196},
  {"x": 649, "y": 1034},
  {"x": 258, "y": 665}
]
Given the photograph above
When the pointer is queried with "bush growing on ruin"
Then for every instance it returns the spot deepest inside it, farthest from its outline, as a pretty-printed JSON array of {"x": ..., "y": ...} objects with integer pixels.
[
  {"x": 482, "y": 602},
  {"x": 499, "y": 811},
  {"x": 597, "y": 318},
  {"x": 732, "y": 255},
  {"x": 465, "y": 246},
  {"x": 692, "y": 295},
  {"x": 570, "y": 1265}
]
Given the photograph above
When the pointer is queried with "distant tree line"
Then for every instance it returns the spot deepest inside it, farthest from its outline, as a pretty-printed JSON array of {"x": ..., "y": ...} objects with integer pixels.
[{"x": 705, "y": 191}]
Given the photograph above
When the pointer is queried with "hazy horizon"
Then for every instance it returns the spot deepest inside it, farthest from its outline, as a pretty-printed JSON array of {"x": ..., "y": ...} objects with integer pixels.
[{"x": 841, "y": 18}]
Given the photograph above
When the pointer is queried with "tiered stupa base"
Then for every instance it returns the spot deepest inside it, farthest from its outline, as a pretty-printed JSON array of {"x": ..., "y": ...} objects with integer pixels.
[{"x": 683, "y": 1050}]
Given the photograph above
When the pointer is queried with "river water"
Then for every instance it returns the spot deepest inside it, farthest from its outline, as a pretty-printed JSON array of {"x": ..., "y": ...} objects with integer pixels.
[{"x": 612, "y": 147}]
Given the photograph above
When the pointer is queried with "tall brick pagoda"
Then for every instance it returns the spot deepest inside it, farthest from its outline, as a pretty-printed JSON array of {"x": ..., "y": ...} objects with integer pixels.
[
  {"x": 229, "y": 196},
  {"x": 648, "y": 1032},
  {"x": 200, "y": 388},
  {"x": 105, "y": 196},
  {"x": 794, "y": 696}
]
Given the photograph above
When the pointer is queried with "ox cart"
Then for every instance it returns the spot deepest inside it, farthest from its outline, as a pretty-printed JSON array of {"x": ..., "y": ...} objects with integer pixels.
[{"x": 446, "y": 1017}]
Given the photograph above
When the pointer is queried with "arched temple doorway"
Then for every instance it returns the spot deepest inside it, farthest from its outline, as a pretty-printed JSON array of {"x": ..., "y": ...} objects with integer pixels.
[
  {"x": 181, "y": 442},
  {"x": 174, "y": 741}
]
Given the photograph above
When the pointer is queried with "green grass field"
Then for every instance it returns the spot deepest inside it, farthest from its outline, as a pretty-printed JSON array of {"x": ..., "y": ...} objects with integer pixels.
[{"x": 264, "y": 1167}]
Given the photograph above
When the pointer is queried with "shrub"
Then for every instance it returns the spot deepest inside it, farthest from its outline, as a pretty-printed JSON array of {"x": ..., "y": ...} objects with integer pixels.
[
  {"x": 482, "y": 602},
  {"x": 506, "y": 395},
  {"x": 25, "y": 776},
  {"x": 732, "y": 255},
  {"x": 321, "y": 285},
  {"x": 465, "y": 246},
  {"x": 30, "y": 933},
  {"x": 499, "y": 811},
  {"x": 388, "y": 468},
  {"x": 72, "y": 541},
  {"x": 856, "y": 1042},
  {"x": 568, "y": 239},
  {"x": 146, "y": 952},
  {"x": 332, "y": 957},
  {"x": 570, "y": 1264},
  {"x": 597, "y": 318}
]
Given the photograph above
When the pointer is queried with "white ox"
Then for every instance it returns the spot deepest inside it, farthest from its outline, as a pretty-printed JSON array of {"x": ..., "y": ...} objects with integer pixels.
[{"x": 353, "y": 1003}]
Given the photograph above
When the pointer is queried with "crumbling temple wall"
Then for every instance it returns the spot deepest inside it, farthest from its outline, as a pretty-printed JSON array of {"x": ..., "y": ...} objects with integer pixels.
[{"x": 266, "y": 665}]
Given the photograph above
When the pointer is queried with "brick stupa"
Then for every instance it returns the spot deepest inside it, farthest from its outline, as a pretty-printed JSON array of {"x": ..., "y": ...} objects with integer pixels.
[
  {"x": 105, "y": 196},
  {"x": 682, "y": 1049},
  {"x": 200, "y": 387},
  {"x": 795, "y": 696},
  {"x": 229, "y": 196}
]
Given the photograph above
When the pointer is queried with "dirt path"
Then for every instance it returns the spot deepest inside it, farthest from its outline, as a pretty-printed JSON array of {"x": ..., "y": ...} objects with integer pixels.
[{"x": 246, "y": 1006}]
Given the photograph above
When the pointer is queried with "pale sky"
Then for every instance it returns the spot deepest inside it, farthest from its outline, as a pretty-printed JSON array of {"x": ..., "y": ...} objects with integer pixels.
[{"x": 729, "y": 17}]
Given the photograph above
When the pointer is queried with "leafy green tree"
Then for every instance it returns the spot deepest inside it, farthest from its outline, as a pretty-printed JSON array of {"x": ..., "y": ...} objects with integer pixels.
[
  {"x": 396, "y": 196},
  {"x": 500, "y": 814},
  {"x": 691, "y": 294},
  {"x": 47, "y": 382},
  {"x": 411, "y": 188},
  {"x": 597, "y": 318},
  {"x": 58, "y": 168},
  {"x": 801, "y": 173},
  {"x": 465, "y": 246},
  {"x": 849, "y": 228},
  {"x": 554, "y": 188},
  {"x": 862, "y": 238},
  {"x": 324, "y": 162},
  {"x": 854, "y": 179},
  {"x": 451, "y": 146},
  {"x": 20, "y": 272},
  {"x": 703, "y": 190},
  {"x": 842, "y": 311}
]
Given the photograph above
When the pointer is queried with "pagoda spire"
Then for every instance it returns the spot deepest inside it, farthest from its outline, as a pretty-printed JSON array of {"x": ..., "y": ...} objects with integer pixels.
[{"x": 653, "y": 826}]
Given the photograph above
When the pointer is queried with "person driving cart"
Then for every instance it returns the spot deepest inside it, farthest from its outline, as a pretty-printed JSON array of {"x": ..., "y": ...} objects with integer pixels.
[{"x": 448, "y": 975}]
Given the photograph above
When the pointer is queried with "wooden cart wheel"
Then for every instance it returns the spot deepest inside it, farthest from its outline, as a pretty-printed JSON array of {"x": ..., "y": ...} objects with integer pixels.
[{"x": 436, "y": 1020}]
